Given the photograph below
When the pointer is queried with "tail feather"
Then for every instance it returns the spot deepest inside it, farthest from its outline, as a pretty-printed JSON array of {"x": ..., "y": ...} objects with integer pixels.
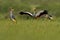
[{"x": 14, "y": 20}]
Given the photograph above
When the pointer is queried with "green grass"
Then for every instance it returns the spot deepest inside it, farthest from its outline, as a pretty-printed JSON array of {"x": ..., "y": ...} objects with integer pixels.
[{"x": 29, "y": 28}]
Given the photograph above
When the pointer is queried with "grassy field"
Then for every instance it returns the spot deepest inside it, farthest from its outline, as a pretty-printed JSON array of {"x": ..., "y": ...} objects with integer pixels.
[{"x": 29, "y": 28}]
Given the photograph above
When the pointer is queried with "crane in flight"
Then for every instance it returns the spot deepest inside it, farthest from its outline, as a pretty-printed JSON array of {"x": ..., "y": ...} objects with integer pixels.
[{"x": 38, "y": 14}]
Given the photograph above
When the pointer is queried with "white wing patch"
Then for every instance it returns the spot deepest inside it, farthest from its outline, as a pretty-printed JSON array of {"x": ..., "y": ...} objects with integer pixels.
[
  {"x": 29, "y": 13},
  {"x": 38, "y": 13}
]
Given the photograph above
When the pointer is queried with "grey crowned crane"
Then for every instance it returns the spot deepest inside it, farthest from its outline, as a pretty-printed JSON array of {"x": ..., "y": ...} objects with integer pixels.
[
  {"x": 12, "y": 17},
  {"x": 38, "y": 14}
]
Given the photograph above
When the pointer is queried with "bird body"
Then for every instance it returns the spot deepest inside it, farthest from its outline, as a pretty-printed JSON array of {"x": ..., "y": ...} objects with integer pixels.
[
  {"x": 12, "y": 17},
  {"x": 38, "y": 14}
]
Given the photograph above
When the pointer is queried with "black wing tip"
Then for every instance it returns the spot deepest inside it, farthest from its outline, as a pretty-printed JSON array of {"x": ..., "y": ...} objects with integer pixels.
[{"x": 21, "y": 13}]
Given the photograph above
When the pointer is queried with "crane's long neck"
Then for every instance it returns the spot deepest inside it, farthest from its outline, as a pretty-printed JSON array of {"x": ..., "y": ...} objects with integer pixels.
[{"x": 34, "y": 12}]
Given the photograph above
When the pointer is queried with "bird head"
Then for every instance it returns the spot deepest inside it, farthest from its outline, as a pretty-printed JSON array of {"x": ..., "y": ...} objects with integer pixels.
[
  {"x": 11, "y": 9},
  {"x": 34, "y": 9}
]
